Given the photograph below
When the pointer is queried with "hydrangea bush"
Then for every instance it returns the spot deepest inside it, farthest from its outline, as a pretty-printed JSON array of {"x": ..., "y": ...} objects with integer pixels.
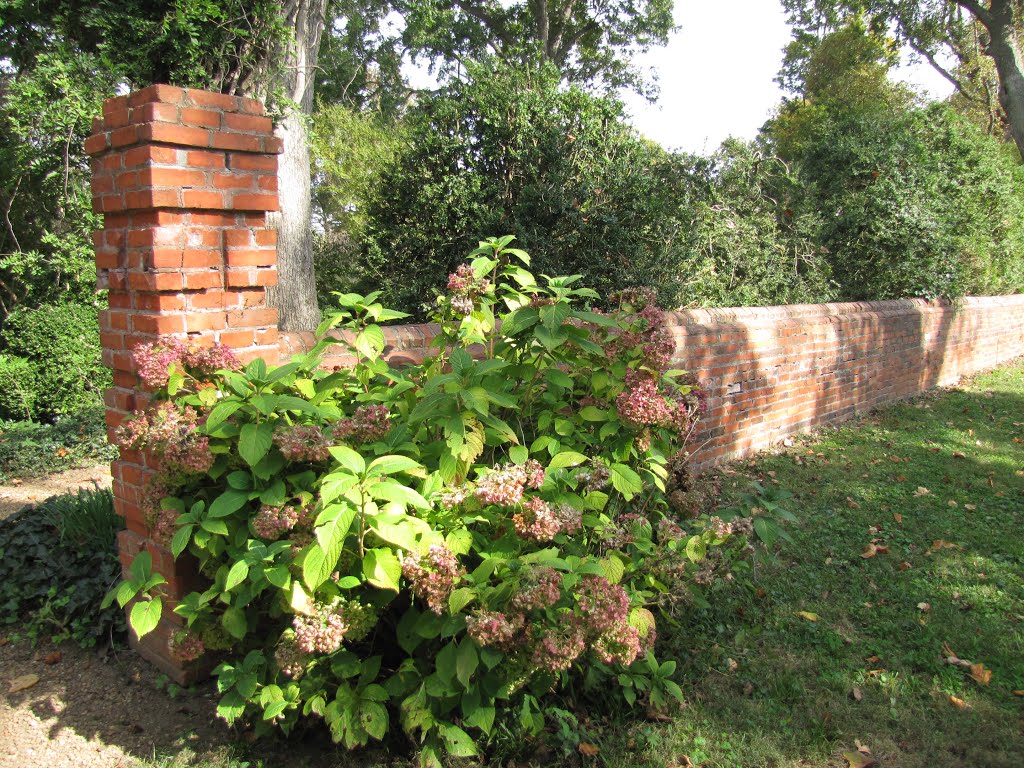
[{"x": 430, "y": 548}]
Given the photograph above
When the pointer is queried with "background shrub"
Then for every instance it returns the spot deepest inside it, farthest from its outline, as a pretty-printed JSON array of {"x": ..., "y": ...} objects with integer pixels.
[
  {"x": 18, "y": 387},
  {"x": 57, "y": 561},
  {"x": 62, "y": 341},
  {"x": 510, "y": 150}
]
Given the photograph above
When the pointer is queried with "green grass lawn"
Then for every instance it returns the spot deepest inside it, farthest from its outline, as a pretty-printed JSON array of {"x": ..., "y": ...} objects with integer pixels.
[{"x": 937, "y": 485}]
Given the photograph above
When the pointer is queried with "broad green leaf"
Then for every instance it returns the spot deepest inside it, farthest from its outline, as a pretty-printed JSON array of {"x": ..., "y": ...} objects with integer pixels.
[
  {"x": 466, "y": 661},
  {"x": 238, "y": 573},
  {"x": 227, "y": 503},
  {"x": 145, "y": 615},
  {"x": 220, "y": 414},
  {"x": 181, "y": 539},
  {"x": 593, "y": 413},
  {"x": 459, "y": 541},
  {"x": 391, "y": 465},
  {"x": 612, "y": 569},
  {"x": 370, "y": 342},
  {"x": 625, "y": 480},
  {"x": 322, "y": 557},
  {"x": 234, "y": 622},
  {"x": 335, "y": 485},
  {"x": 400, "y": 535},
  {"x": 553, "y": 315},
  {"x": 457, "y": 741},
  {"x": 349, "y": 459},
  {"x": 460, "y": 598},
  {"x": 374, "y": 719},
  {"x": 519, "y": 454},
  {"x": 299, "y": 601},
  {"x": 382, "y": 569},
  {"x": 254, "y": 441},
  {"x": 566, "y": 459},
  {"x": 391, "y": 491},
  {"x": 696, "y": 549}
]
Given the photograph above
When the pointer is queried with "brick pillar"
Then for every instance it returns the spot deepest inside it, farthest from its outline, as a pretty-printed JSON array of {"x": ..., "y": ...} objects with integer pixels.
[{"x": 184, "y": 179}]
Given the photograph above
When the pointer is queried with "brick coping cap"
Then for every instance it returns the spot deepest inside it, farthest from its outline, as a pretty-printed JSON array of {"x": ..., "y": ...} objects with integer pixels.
[{"x": 419, "y": 335}]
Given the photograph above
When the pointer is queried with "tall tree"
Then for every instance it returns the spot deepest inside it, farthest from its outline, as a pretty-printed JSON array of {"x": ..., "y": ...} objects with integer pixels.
[
  {"x": 295, "y": 294},
  {"x": 590, "y": 42},
  {"x": 931, "y": 27}
]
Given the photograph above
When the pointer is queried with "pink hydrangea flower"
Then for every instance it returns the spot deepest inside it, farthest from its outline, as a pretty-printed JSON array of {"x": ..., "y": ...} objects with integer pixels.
[
  {"x": 368, "y": 424},
  {"x": 603, "y": 605},
  {"x": 502, "y": 486},
  {"x": 303, "y": 442},
  {"x": 321, "y": 632},
  {"x": 186, "y": 646},
  {"x": 537, "y": 520},
  {"x": 433, "y": 578},
  {"x": 619, "y": 645},
  {"x": 495, "y": 630},
  {"x": 640, "y": 404},
  {"x": 558, "y": 647},
  {"x": 541, "y": 588},
  {"x": 271, "y": 523}
]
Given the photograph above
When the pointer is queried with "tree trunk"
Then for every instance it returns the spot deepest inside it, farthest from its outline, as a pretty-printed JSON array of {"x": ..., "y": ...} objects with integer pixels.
[
  {"x": 294, "y": 296},
  {"x": 1004, "y": 48}
]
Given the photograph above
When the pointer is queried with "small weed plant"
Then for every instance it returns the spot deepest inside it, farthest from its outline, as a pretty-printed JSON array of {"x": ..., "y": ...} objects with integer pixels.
[{"x": 432, "y": 548}]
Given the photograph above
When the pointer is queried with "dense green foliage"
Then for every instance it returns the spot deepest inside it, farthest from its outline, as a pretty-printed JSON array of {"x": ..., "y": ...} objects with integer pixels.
[
  {"x": 914, "y": 203},
  {"x": 441, "y": 546},
  {"x": 18, "y": 388},
  {"x": 30, "y": 449},
  {"x": 57, "y": 561},
  {"x": 62, "y": 342}
]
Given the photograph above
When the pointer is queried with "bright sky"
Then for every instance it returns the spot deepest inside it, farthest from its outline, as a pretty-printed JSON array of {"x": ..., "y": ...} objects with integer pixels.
[{"x": 717, "y": 75}]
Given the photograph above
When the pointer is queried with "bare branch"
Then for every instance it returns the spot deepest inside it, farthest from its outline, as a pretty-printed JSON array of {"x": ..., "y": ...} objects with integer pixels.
[{"x": 957, "y": 83}]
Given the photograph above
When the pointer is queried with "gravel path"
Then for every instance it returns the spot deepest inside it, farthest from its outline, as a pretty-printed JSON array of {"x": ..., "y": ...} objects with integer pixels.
[
  {"x": 94, "y": 711},
  {"x": 14, "y": 497}
]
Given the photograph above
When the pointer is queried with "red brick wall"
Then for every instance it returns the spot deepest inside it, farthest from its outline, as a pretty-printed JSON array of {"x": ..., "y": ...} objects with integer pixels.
[
  {"x": 184, "y": 179},
  {"x": 774, "y": 371}
]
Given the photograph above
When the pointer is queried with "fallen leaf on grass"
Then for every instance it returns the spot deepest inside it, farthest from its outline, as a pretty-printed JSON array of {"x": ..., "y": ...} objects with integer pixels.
[
  {"x": 901, "y": 478},
  {"x": 904, "y": 566},
  {"x": 862, "y": 748},
  {"x": 940, "y": 544},
  {"x": 1018, "y": 693},
  {"x": 856, "y": 694},
  {"x": 52, "y": 658},
  {"x": 951, "y": 504},
  {"x": 981, "y": 675},
  {"x": 957, "y": 702},
  {"x": 921, "y": 491},
  {"x": 23, "y": 682},
  {"x": 959, "y": 455},
  {"x": 807, "y": 615},
  {"x": 683, "y": 761},
  {"x": 859, "y": 760},
  {"x": 924, "y": 607},
  {"x": 970, "y": 507},
  {"x": 588, "y": 750},
  {"x": 851, "y": 503},
  {"x": 897, "y": 517},
  {"x": 869, "y": 551},
  {"x": 872, "y": 659}
]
